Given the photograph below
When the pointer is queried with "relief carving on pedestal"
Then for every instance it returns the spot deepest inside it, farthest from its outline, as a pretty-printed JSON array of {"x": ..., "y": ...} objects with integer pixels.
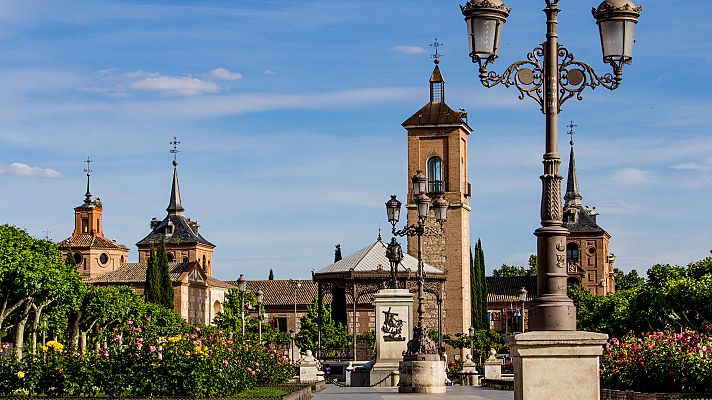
[{"x": 392, "y": 327}]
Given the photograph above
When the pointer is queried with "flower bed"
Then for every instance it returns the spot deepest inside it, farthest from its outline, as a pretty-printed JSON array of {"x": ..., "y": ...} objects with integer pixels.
[
  {"x": 197, "y": 362},
  {"x": 662, "y": 362}
]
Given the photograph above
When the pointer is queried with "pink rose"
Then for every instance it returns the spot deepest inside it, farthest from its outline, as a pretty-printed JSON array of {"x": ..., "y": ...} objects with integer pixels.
[
  {"x": 225, "y": 363},
  {"x": 151, "y": 348}
]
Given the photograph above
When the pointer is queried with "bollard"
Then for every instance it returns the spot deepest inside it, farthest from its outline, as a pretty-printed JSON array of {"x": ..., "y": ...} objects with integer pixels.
[
  {"x": 395, "y": 378},
  {"x": 349, "y": 369}
]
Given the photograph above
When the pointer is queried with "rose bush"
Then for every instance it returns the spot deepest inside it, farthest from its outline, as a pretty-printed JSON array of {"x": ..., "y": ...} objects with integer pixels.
[
  {"x": 136, "y": 361},
  {"x": 663, "y": 362}
]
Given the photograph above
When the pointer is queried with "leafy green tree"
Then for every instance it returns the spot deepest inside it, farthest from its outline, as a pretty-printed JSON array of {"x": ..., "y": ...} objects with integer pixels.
[
  {"x": 333, "y": 335},
  {"x": 517, "y": 270},
  {"x": 533, "y": 265},
  {"x": 165, "y": 282},
  {"x": 152, "y": 285},
  {"x": 33, "y": 275},
  {"x": 624, "y": 281}
]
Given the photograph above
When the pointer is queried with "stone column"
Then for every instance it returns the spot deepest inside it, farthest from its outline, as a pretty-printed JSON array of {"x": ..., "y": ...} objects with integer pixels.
[{"x": 556, "y": 365}]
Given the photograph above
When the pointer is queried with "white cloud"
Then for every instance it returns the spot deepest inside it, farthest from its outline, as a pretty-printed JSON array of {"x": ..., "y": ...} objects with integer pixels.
[
  {"x": 180, "y": 85},
  {"x": 631, "y": 176},
  {"x": 704, "y": 165},
  {"x": 20, "y": 169},
  {"x": 270, "y": 72},
  {"x": 225, "y": 74},
  {"x": 402, "y": 48}
]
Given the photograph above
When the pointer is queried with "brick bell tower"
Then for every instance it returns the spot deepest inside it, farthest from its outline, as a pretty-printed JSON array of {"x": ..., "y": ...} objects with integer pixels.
[{"x": 437, "y": 146}]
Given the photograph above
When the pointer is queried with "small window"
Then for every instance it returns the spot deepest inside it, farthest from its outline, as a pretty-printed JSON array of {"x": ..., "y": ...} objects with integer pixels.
[
  {"x": 169, "y": 228},
  {"x": 572, "y": 252},
  {"x": 435, "y": 175},
  {"x": 171, "y": 257},
  {"x": 85, "y": 225},
  {"x": 282, "y": 324},
  {"x": 77, "y": 258},
  {"x": 185, "y": 259},
  {"x": 104, "y": 258}
]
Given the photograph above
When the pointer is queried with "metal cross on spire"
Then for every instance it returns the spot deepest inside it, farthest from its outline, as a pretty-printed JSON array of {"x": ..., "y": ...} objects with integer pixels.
[
  {"x": 436, "y": 56},
  {"x": 175, "y": 142},
  {"x": 87, "y": 169},
  {"x": 571, "y": 132}
]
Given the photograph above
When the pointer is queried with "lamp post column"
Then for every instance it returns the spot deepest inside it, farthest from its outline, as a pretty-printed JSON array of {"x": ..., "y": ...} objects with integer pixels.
[{"x": 552, "y": 309}]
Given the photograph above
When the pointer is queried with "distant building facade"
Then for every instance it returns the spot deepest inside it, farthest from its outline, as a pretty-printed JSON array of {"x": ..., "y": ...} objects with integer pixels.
[
  {"x": 197, "y": 296},
  {"x": 589, "y": 264}
]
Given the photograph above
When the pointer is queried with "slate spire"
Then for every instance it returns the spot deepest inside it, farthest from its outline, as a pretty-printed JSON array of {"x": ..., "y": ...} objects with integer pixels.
[
  {"x": 573, "y": 195},
  {"x": 87, "y": 196},
  {"x": 174, "y": 205}
]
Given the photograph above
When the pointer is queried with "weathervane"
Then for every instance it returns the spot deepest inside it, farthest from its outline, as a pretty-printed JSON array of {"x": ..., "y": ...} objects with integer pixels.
[
  {"x": 175, "y": 142},
  {"x": 571, "y": 132},
  {"x": 436, "y": 56},
  {"x": 88, "y": 172}
]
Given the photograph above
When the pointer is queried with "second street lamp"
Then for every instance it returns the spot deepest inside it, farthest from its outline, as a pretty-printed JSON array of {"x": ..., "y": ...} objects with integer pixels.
[
  {"x": 420, "y": 347},
  {"x": 260, "y": 298},
  {"x": 242, "y": 286},
  {"x": 550, "y": 76}
]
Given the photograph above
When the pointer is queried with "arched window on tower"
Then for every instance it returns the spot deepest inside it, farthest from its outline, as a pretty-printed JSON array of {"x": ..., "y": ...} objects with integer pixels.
[
  {"x": 572, "y": 252},
  {"x": 435, "y": 175}
]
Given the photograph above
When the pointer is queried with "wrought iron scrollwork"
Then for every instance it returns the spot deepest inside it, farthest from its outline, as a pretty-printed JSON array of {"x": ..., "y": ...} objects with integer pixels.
[
  {"x": 574, "y": 76},
  {"x": 526, "y": 75},
  {"x": 416, "y": 230}
]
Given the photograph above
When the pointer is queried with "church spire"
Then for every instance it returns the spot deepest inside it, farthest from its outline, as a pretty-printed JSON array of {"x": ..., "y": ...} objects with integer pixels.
[
  {"x": 174, "y": 205},
  {"x": 573, "y": 196},
  {"x": 87, "y": 196},
  {"x": 437, "y": 83}
]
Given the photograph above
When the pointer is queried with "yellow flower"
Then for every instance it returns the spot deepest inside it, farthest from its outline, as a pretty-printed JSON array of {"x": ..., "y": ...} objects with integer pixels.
[
  {"x": 43, "y": 348},
  {"x": 56, "y": 346},
  {"x": 174, "y": 339},
  {"x": 20, "y": 374}
]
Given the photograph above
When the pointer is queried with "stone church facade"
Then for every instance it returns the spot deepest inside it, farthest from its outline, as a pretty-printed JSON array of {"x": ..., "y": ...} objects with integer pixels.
[{"x": 197, "y": 296}]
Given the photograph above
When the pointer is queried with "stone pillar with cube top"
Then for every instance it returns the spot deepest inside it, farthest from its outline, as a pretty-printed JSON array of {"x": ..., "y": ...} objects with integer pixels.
[
  {"x": 394, "y": 319},
  {"x": 552, "y": 364}
]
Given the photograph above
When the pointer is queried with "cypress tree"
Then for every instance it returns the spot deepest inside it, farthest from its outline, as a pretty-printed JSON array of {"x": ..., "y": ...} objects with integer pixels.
[
  {"x": 482, "y": 284},
  {"x": 165, "y": 286},
  {"x": 337, "y": 253},
  {"x": 474, "y": 296},
  {"x": 151, "y": 285}
]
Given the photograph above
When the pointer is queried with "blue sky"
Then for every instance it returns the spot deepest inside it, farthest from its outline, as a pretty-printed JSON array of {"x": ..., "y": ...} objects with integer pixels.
[{"x": 289, "y": 116}]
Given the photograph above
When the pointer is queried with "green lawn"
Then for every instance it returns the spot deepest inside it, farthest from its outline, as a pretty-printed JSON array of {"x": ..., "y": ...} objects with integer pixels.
[{"x": 262, "y": 392}]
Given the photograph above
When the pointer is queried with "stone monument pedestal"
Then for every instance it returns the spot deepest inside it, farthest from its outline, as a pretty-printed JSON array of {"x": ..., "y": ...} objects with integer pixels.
[
  {"x": 493, "y": 366},
  {"x": 556, "y": 364},
  {"x": 394, "y": 319},
  {"x": 469, "y": 373},
  {"x": 426, "y": 375},
  {"x": 309, "y": 369}
]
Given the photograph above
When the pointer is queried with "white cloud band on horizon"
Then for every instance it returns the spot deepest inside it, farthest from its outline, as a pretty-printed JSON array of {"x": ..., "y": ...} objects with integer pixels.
[
  {"x": 180, "y": 85},
  {"x": 406, "y": 49},
  {"x": 225, "y": 74},
  {"x": 20, "y": 169}
]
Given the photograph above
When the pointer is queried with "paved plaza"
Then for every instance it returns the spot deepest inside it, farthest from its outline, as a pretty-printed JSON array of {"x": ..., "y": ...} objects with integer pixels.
[{"x": 453, "y": 393}]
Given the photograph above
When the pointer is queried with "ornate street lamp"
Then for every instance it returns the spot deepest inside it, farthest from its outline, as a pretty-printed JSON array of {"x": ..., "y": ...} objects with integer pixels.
[
  {"x": 471, "y": 332},
  {"x": 420, "y": 346},
  {"x": 523, "y": 298},
  {"x": 550, "y": 76},
  {"x": 242, "y": 286},
  {"x": 295, "y": 285},
  {"x": 260, "y": 298}
]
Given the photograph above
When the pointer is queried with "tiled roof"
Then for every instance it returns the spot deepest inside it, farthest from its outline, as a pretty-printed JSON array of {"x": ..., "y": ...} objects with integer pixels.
[
  {"x": 135, "y": 273},
  {"x": 505, "y": 289},
  {"x": 281, "y": 292},
  {"x": 182, "y": 233},
  {"x": 373, "y": 258},
  {"x": 434, "y": 114},
  {"x": 585, "y": 223},
  {"x": 89, "y": 241}
]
